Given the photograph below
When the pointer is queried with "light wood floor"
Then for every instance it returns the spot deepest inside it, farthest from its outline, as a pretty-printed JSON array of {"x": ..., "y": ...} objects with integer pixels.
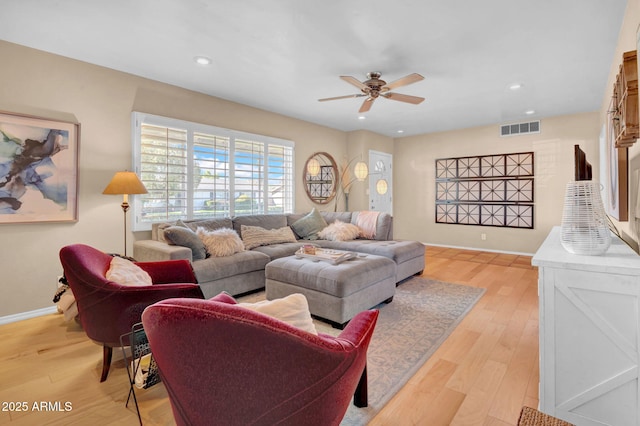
[{"x": 482, "y": 375}]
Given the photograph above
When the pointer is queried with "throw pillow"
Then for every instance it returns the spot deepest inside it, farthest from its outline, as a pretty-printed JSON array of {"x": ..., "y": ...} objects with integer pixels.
[
  {"x": 255, "y": 236},
  {"x": 367, "y": 221},
  {"x": 124, "y": 272},
  {"x": 340, "y": 231},
  {"x": 293, "y": 310},
  {"x": 220, "y": 242},
  {"x": 307, "y": 227},
  {"x": 185, "y": 237}
]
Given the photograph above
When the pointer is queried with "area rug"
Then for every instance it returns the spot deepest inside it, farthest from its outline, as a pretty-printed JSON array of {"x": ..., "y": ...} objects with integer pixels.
[
  {"x": 422, "y": 315},
  {"x": 532, "y": 417}
]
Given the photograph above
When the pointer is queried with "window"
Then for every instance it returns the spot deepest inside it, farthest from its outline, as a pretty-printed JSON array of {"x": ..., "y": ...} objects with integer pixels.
[{"x": 197, "y": 171}]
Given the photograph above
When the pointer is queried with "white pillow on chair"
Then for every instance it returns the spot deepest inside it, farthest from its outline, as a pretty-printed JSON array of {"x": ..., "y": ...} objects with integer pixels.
[
  {"x": 293, "y": 310},
  {"x": 124, "y": 272}
]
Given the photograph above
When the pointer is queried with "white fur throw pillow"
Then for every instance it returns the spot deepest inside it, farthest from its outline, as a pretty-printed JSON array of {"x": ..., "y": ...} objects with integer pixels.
[
  {"x": 220, "y": 242},
  {"x": 292, "y": 309},
  {"x": 125, "y": 272},
  {"x": 340, "y": 231}
]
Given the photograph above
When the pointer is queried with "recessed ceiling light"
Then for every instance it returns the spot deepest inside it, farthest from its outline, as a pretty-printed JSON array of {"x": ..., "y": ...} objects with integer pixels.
[
  {"x": 515, "y": 86},
  {"x": 362, "y": 117},
  {"x": 202, "y": 60},
  {"x": 530, "y": 112},
  {"x": 400, "y": 131}
]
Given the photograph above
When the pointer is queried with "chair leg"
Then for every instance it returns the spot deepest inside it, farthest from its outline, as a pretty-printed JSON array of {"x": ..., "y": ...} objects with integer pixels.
[
  {"x": 361, "y": 395},
  {"x": 107, "y": 352}
]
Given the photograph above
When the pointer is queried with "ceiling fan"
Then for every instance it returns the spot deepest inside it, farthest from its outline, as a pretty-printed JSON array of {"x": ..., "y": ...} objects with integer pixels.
[{"x": 375, "y": 87}]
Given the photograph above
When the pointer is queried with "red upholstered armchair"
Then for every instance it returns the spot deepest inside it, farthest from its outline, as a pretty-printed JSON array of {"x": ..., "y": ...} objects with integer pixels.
[
  {"x": 106, "y": 309},
  {"x": 223, "y": 364}
]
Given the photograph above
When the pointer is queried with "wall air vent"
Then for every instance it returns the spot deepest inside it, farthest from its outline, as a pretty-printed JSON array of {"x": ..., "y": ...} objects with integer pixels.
[{"x": 520, "y": 128}]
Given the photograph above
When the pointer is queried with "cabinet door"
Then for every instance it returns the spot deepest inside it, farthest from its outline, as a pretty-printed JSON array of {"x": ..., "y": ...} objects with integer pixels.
[{"x": 590, "y": 351}]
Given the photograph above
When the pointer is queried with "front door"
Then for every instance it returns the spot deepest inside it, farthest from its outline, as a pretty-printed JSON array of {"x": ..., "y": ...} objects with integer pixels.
[{"x": 380, "y": 182}]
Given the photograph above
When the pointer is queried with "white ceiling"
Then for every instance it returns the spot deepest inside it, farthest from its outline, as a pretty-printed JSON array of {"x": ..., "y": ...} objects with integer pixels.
[{"x": 283, "y": 55}]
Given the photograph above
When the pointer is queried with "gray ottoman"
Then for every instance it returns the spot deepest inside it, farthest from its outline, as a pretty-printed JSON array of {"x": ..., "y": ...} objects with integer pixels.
[{"x": 334, "y": 292}]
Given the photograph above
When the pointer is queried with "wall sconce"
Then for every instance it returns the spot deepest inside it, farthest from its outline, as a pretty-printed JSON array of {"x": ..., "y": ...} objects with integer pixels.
[{"x": 382, "y": 186}]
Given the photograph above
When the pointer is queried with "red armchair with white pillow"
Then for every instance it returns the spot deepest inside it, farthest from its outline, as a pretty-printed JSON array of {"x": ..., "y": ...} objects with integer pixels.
[
  {"x": 112, "y": 292},
  {"x": 231, "y": 364}
]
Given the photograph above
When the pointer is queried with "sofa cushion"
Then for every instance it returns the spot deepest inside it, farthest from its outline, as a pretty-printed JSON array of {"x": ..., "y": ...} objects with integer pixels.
[
  {"x": 276, "y": 251},
  {"x": 209, "y": 224},
  {"x": 185, "y": 237},
  {"x": 307, "y": 227},
  {"x": 267, "y": 221},
  {"x": 331, "y": 217},
  {"x": 254, "y": 236},
  {"x": 221, "y": 242},
  {"x": 292, "y": 309},
  {"x": 216, "y": 268}
]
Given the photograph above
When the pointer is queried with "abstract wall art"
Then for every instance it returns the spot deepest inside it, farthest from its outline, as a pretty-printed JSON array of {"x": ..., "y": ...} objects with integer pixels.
[
  {"x": 38, "y": 169},
  {"x": 489, "y": 190}
]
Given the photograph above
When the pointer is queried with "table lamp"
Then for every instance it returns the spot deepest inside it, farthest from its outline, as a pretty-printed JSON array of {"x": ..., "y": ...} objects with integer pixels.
[{"x": 125, "y": 183}]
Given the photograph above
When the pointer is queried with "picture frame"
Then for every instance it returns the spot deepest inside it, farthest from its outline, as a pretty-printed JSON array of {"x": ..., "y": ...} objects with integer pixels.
[
  {"x": 617, "y": 176},
  {"x": 38, "y": 169}
]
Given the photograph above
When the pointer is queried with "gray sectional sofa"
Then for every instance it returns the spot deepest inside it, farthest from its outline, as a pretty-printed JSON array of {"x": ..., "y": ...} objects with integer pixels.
[{"x": 244, "y": 271}]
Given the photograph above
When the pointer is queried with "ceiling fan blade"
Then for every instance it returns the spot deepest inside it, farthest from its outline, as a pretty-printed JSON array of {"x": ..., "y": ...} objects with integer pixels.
[
  {"x": 366, "y": 105},
  {"x": 409, "y": 79},
  {"x": 359, "y": 95},
  {"x": 403, "y": 98},
  {"x": 354, "y": 81}
]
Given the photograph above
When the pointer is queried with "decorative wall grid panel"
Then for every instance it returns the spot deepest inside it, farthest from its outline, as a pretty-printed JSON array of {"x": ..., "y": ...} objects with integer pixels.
[
  {"x": 321, "y": 186},
  {"x": 489, "y": 190}
]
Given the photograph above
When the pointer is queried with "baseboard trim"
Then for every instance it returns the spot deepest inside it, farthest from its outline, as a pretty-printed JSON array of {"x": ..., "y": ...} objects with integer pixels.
[
  {"x": 26, "y": 315},
  {"x": 480, "y": 249}
]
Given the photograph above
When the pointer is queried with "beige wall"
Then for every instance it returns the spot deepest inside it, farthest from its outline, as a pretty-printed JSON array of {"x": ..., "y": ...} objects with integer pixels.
[
  {"x": 102, "y": 100},
  {"x": 414, "y": 180},
  {"x": 630, "y": 230}
]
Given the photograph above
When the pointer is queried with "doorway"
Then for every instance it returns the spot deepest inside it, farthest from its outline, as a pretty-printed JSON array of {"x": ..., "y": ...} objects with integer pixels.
[{"x": 381, "y": 182}]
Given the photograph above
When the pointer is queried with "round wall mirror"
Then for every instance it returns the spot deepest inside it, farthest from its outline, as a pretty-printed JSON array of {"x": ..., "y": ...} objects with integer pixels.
[{"x": 320, "y": 177}]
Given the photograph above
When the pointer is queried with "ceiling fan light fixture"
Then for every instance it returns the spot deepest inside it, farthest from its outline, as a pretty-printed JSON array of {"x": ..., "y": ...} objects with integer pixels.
[
  {"x": 362, "y": 117},
  {"x": 530, "y": 112},
  {"x": 515, "y": 86},
  {"x": 375, "y": 87}
]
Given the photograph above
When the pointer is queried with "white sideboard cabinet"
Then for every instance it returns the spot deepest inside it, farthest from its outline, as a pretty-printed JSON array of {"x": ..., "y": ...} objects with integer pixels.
[{"x": 589, "y": 334}]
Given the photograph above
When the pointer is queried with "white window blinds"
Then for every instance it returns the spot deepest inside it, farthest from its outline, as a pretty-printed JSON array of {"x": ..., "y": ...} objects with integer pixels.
[{"x": 196, "y": 171}]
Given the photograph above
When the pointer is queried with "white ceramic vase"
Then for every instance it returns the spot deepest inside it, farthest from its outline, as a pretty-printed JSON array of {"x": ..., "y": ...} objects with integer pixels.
[{"x": 584, "y": 221}]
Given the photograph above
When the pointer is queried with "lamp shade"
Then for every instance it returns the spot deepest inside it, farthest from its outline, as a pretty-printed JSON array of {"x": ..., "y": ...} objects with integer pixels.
[
  {"x": 313, "y": 167},
  {"x": 361, "y": 170},
  {"x": 382, "y": 186},
  {"x": 125, "y": 183}
]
